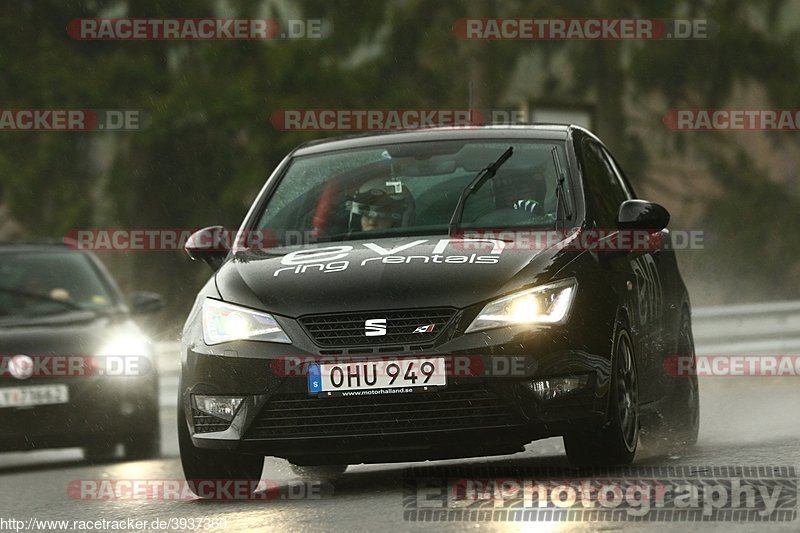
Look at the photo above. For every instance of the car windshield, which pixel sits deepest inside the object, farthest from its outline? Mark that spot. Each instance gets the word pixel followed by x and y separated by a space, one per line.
pixel 413 189
pixel 35 284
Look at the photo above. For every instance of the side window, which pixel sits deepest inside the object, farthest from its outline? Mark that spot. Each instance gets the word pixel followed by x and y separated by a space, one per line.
pixel 604 190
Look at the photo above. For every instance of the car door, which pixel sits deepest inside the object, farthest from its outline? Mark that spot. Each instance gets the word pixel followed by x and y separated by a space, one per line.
pixel 634 272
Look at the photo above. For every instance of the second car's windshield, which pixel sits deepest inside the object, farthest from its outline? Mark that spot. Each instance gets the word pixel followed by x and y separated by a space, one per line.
pixel 413 188
pixel 45 283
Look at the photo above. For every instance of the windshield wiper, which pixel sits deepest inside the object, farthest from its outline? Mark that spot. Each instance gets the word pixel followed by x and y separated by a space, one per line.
pixel 560 194
pixel 476 183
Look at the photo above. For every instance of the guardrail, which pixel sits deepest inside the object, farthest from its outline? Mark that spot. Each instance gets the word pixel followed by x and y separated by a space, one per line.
pixel 761 328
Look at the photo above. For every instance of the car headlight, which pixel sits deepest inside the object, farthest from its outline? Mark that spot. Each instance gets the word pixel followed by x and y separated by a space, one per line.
pixel 125 352
pixel 546 304
pixel 125 345
pixel 223 322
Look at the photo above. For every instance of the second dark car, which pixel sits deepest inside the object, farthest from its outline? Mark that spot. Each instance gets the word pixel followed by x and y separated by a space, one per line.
pixel 75 370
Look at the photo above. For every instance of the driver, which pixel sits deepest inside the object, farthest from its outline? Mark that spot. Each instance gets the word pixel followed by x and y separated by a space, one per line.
pixel 380 203
pixel 523 191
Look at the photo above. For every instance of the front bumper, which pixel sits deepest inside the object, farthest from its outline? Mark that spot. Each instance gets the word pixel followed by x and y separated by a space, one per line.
pixel 486 408
pixel 100 409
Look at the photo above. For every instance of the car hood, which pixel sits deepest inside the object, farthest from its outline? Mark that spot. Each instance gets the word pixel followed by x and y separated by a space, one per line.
pixel 389 273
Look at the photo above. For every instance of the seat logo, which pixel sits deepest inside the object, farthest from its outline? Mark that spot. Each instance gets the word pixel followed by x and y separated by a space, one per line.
pixel 375 327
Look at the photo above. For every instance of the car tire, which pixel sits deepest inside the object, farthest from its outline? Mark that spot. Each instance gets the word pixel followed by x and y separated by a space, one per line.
pixel 678 422
pixel 201 465
pixel 616 441
pixel 318 472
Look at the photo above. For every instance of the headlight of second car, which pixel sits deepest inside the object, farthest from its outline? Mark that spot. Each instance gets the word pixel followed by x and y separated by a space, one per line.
pixel 224 322
pixel 546 304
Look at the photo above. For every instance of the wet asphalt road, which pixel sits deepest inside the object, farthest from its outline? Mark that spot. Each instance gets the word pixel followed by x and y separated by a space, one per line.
pixel 747 422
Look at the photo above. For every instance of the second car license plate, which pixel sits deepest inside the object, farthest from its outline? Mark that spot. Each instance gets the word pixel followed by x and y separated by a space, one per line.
pixel 370 377
pixel 33 395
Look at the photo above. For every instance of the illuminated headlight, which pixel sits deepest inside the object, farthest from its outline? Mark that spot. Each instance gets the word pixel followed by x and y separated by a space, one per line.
pixel 223 322
pixel 125 352
pixel 546 304
pixel 125 345
pixel 223 407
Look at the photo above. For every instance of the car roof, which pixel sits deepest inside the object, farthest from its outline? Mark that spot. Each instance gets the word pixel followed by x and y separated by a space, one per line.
pixel 551 132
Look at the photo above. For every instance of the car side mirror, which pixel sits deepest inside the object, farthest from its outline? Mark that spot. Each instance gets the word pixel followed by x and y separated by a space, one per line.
pixel 144 303
pixel 642 215
pixel 208 245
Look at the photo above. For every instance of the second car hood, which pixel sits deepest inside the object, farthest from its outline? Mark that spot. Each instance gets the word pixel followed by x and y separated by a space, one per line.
pixel 389 273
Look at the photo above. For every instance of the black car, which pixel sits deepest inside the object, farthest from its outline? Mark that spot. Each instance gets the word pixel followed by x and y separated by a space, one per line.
pixel 391 298
pixel 75 371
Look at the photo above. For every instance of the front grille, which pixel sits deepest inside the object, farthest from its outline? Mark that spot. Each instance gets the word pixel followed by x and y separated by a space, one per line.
pixel 204 423
pixel 349 329
pixel 473 406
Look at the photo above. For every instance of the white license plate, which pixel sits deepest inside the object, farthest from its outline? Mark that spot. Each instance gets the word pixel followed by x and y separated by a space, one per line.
pixel 33 395
pixel 391 376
